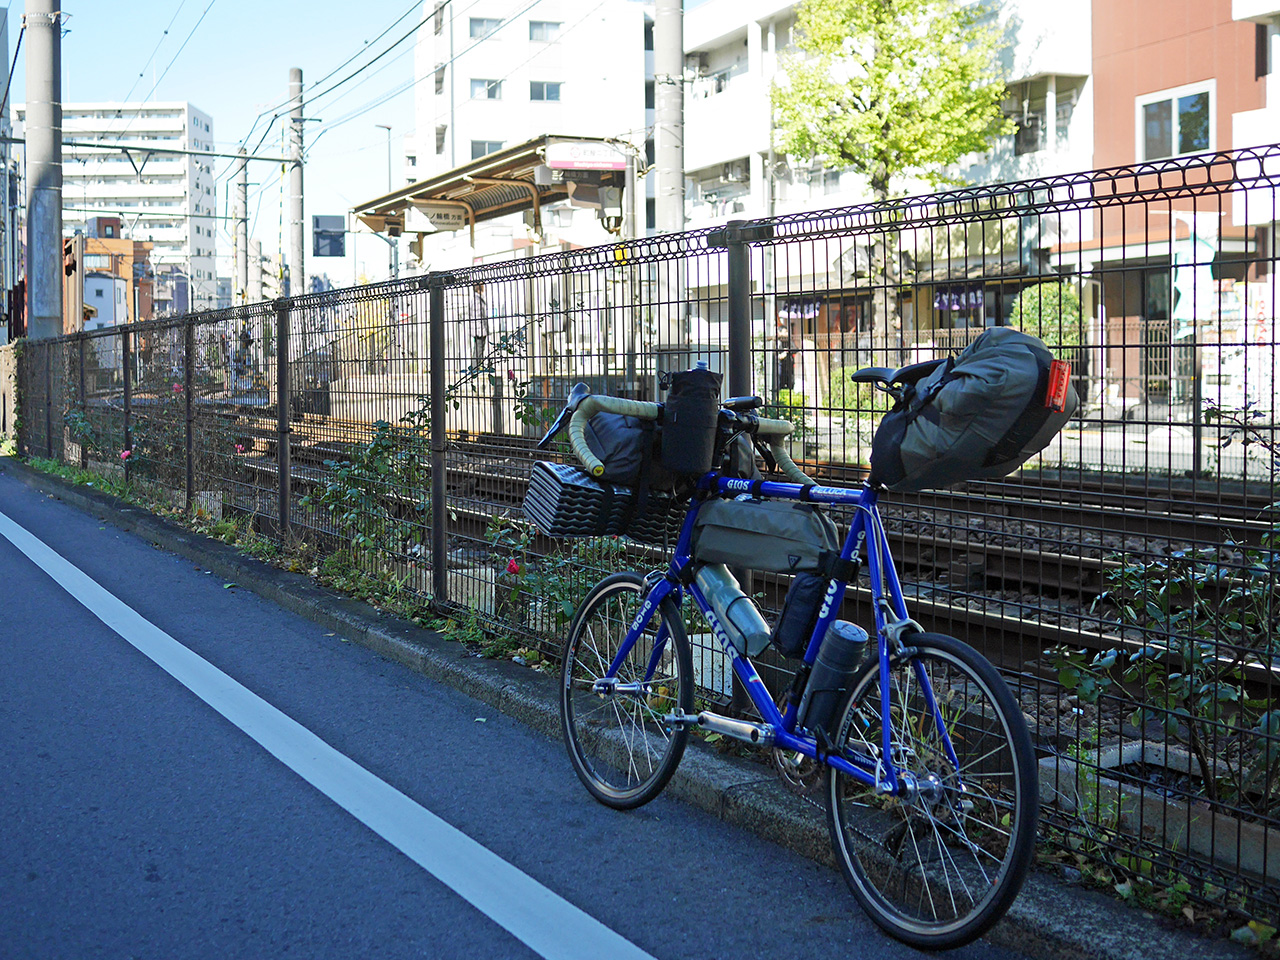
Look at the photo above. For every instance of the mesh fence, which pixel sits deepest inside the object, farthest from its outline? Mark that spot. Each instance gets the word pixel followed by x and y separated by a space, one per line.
pixel 1125 581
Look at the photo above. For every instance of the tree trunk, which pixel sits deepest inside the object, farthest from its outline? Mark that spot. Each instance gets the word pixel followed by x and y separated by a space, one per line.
pixel 886 323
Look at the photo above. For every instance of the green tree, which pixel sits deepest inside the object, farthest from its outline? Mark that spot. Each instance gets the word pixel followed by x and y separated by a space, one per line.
pixel 890 87
pixel 1050 311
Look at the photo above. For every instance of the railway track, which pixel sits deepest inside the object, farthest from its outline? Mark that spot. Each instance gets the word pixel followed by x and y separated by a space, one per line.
pixel 1051 541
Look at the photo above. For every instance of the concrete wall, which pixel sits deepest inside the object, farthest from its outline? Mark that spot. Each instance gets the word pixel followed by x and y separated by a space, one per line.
pixel 8 392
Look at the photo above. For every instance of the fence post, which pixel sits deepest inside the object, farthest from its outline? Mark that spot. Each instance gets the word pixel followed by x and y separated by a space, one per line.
pixel 736 238
pixel 282 413
pixel 439 542
pixel 84 406
pixel 126 358
pixel 189 349
pixel 739 360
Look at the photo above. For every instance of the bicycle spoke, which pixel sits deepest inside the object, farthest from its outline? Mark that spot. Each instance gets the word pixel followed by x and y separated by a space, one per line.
pixel 954 859
pixel 619 742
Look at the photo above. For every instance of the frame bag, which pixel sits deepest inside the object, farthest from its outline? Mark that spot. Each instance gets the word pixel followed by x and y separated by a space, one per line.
pixel 979 416
pixel 778 536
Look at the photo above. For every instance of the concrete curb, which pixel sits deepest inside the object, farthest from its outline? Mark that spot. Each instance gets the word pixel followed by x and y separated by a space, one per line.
pixel 1048 920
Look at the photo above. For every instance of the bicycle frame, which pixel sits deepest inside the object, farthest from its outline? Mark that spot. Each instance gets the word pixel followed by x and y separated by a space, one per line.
pixel 888 604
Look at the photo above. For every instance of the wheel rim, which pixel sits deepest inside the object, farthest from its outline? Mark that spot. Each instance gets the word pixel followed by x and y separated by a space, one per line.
pixel 937 859
pixel 620 741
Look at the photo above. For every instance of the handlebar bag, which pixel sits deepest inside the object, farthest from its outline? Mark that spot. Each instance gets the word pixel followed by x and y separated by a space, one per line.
pixel 979 416
pixel 629 448
pixel 779 536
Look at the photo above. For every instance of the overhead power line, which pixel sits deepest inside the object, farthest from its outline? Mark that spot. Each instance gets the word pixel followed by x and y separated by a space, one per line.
pixel 4 103
pixel 281 108
pixel 142 73
pixel 379 101
pixel 355 56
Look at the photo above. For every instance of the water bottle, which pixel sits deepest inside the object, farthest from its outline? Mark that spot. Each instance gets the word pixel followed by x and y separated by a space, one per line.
pixel 747 630
pixel 842 650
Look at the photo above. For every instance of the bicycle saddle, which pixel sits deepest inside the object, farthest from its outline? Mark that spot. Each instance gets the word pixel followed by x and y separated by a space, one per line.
pixel 911 373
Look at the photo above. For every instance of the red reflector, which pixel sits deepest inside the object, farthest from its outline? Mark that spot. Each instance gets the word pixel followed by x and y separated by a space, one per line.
pixel 1059 383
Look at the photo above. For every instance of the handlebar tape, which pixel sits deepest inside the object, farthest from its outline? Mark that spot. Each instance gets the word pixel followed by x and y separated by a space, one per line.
pixel 646 410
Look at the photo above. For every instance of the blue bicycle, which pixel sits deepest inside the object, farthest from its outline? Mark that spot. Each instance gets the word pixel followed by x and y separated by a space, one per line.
pixel 920 748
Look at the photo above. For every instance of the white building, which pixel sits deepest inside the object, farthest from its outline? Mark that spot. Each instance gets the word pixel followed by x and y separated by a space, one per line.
pixel 1249 127
pixel 167 199
pixel 108 295
pixel 732 51
pixel 491 76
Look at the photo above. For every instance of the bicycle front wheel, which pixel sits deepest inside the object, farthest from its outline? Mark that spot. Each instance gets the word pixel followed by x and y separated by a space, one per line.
pixel 622 748
pixel 936 866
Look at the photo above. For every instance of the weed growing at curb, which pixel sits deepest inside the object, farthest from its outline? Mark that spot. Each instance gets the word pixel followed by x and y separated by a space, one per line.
pixel 339 571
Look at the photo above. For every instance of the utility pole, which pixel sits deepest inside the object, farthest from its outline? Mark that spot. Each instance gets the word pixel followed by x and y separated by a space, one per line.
pixel 242 230
pixel 393 241
pixel 297 226
pixel 255 283
pixel 44 169
pixel 674 328
pixel 668 116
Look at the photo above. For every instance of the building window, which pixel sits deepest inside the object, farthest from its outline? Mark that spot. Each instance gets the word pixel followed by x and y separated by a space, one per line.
pixel 438 16
pixel 544 31
pixel 1175 122
pixel 440 79
pixel 482 27
pixel 440 132
pixel 544 90
pixel 482 148
pixel 486 89
pixel 648 34
pixel 649 95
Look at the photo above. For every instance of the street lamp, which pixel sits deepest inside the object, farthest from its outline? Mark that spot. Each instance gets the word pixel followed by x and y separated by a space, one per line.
pixel 394 241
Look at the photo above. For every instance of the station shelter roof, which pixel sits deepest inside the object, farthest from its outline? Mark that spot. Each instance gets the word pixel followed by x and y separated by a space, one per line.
pixel 522 177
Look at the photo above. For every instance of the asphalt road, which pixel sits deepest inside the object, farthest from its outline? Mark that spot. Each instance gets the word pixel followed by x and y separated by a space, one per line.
pixel 136 820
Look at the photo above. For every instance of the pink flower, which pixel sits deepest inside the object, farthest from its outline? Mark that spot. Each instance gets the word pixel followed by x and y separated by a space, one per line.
pixel 512 566
pixel 239 448
pixel 511 375
pixel 177 388
pixel 124 454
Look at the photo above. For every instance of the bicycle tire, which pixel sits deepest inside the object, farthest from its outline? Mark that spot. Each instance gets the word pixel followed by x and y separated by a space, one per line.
pixel 937 869
pixel 622 751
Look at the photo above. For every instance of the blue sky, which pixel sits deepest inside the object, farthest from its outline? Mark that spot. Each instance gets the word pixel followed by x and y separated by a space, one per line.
pixel 235 66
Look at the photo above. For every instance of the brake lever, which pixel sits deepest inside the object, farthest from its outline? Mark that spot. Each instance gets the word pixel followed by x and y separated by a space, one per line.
pixel 579 393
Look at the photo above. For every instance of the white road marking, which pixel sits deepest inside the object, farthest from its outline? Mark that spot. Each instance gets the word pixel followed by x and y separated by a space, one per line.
pixel 545 922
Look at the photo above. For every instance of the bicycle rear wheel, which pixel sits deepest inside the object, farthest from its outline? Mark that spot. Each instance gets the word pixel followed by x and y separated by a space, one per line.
pixel 939 865
pixel 621 748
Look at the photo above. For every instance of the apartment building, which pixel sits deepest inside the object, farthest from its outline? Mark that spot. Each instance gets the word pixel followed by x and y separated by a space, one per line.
pixel 110 169
pixel 1177 78
pixel 732 61
pixel 491 76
